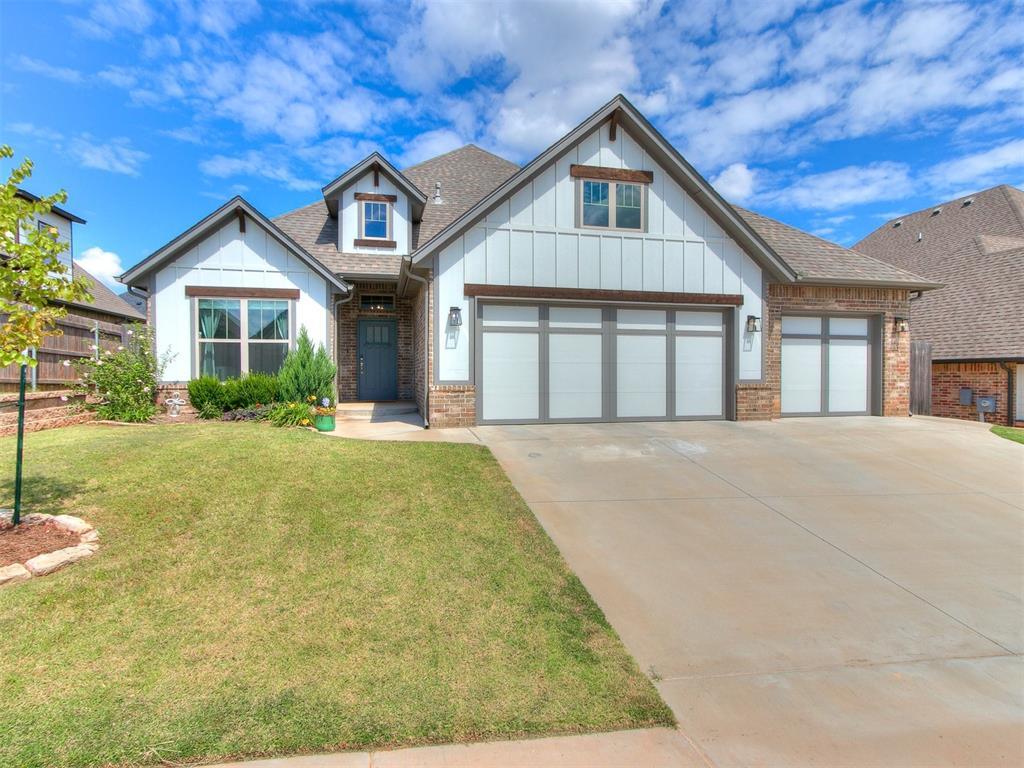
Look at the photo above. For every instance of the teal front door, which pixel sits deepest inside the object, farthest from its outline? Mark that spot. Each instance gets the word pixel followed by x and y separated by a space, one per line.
pixel 378 359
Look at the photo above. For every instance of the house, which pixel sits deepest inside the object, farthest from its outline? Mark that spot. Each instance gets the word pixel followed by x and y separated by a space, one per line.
pixel 101 318
pixel 974 245
pixel 605 280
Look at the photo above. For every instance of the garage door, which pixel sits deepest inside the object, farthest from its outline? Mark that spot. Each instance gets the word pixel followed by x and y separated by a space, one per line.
pixel 557 363
pixel 826 365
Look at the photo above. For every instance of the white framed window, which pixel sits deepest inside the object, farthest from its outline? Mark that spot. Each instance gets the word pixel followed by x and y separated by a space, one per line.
pixel 612 205
pixel 237 336
pixel 376 220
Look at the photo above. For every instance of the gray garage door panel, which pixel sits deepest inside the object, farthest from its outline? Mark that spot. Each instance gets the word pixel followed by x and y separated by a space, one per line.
pixel 572 363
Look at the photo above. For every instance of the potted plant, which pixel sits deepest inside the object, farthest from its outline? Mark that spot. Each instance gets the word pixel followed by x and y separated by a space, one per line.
pixel 324 418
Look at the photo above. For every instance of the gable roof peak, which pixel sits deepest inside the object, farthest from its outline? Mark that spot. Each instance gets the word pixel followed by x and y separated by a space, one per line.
pixel 373 161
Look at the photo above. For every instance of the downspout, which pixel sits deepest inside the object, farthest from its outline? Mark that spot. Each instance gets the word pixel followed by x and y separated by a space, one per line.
pixel 1011 401
pixel 426 339
pixel 334 316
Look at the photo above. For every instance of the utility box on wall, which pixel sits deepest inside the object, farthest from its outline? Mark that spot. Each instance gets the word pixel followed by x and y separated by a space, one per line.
pixel 986 404
pixel 966 396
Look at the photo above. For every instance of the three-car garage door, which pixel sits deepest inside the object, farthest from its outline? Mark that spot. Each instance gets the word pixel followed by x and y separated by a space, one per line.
pixel 557 363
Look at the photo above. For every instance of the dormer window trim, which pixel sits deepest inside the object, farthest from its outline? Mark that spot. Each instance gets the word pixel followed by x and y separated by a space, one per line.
pixel 371 207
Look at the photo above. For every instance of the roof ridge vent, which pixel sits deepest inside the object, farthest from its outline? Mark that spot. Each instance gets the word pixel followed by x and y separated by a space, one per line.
pixel 897 223
pixel 967 202
pixel 438 200
pixel 937 211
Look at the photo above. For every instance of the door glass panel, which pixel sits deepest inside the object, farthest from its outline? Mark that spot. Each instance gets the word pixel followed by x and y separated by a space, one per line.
pixel 848 326
pixel 511 315
pixel 699 386
pixel 574 375
pixel 848 375
pixel 640 376
pixel 808 325
pixel 641 319
pixel 511 375
pixel 575 317
pixel 801 375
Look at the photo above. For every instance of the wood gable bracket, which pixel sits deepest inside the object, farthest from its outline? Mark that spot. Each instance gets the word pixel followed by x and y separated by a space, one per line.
pixel 613 125
pixel 241 220
pixel 376 175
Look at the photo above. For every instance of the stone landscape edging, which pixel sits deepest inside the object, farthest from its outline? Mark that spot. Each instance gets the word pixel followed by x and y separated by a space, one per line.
pixel 48 562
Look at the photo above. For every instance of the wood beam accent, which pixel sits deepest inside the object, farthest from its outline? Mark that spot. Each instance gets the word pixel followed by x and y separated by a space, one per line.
pixel 217 292
pixel 375 198
pixel 613 127
pixel 241 220
pixel 371 243
pixel 610 174
pixel 601 295
pixel 376 175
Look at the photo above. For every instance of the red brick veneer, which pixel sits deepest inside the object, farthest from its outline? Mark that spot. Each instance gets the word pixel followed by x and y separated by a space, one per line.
pixel 985 379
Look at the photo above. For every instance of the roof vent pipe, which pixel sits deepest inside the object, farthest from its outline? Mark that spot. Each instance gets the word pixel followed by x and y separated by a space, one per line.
pixel 920 236
pixel 437 193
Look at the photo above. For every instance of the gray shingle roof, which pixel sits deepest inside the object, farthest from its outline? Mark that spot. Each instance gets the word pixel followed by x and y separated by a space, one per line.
pixel 104 299
pixel 818 260
pixel 977 252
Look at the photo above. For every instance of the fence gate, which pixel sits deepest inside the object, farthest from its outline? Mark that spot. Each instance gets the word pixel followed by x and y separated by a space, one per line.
pixel 921 378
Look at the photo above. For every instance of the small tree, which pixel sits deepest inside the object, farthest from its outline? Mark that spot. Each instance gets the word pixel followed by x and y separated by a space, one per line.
pixel 306 373
pixel 32 279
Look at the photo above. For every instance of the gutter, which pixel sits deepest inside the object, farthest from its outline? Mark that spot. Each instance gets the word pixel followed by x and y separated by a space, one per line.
pixel 407 272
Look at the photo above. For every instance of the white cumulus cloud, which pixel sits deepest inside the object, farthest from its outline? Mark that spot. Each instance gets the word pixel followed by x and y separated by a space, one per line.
pixel 736 182
pixel 105 266
pixel 114 155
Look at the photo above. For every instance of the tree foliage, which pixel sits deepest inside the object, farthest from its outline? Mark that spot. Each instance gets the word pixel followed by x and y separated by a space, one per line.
pixel 307 374
pixel 32 276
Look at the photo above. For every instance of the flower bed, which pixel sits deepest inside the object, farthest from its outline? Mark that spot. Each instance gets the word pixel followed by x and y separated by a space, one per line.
pixel 42 544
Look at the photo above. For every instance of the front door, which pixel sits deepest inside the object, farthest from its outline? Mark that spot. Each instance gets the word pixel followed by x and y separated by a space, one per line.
pixel 378 359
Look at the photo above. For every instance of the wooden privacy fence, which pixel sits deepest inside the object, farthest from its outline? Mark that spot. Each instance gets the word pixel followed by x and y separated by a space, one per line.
pixel 79 335
pixel 921 378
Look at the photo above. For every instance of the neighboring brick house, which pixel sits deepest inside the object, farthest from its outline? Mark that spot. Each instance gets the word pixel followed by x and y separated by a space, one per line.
pixel 605 280
pixel 974 246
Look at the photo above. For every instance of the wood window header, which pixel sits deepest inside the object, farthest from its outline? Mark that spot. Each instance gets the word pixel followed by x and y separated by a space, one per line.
pixel 375 198
pixel 215 292
pixel 601 295
pixel 370 242
pixel 610 174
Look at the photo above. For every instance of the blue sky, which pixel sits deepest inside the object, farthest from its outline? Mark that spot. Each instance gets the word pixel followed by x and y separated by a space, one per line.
pixel 831 117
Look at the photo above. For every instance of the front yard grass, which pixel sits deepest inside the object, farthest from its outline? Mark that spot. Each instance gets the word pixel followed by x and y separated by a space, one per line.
pixel 262 591
pixel 1010 433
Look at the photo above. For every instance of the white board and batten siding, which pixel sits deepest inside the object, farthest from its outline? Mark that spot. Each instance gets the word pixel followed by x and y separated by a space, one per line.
pixel 531 239
pixel 348 212
pixel 229 258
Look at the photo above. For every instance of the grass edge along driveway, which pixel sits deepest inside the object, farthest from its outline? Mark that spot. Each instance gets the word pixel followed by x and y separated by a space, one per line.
pixel 268 592
pixel 1016 434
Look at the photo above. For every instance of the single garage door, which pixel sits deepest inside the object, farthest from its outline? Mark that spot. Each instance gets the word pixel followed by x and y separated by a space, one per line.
pixel 827 365
pixel 559 363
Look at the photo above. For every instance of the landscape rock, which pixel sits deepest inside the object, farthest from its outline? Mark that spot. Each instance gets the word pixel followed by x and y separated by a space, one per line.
pixel 6 515
pixel 90 537
pixel 73 524
pixel 37 517
pixel 11 574
pixel 51 561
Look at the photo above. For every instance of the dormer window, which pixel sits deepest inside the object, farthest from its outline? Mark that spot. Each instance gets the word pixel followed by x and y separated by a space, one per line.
pixel 611 198
pixel 376 220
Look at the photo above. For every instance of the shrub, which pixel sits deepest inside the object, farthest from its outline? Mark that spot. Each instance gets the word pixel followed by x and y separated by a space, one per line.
pixel 291 415
pixel 256 389
pixel 307 373
pixel 206 395
pixel 123 381
pixel 209 410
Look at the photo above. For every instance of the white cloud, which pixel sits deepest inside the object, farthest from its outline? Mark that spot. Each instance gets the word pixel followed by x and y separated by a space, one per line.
pixel 735 183
pixel 103 265
pixel 109 17
pixel 844 187
pixel 258 164
pixel 978 169
pixel 429 144
pixel 36 131
pixel 114 155
pixel 39 67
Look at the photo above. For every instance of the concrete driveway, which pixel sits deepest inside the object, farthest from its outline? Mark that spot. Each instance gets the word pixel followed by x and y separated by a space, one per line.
pixel 828 592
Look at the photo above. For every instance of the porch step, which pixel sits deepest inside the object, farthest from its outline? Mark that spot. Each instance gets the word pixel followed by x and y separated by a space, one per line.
pixel 374 411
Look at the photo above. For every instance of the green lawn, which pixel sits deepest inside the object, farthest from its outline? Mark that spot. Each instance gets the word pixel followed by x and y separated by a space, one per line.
pixel 264 591
pixel 1010 433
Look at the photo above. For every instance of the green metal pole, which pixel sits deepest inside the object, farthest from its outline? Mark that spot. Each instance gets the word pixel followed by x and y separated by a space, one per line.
pixel 21 445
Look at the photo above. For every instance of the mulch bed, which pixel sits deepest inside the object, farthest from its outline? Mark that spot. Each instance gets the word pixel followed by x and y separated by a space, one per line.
pixel 25 541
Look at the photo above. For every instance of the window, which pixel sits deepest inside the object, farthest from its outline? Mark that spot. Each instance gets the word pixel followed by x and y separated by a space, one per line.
pixel 598 211
pixel 375 220
pixel 377 303
pixel 47 229
pixel 222 326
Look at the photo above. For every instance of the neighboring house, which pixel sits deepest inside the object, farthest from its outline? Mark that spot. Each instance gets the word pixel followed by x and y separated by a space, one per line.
pixel 974 246
pixel 102 317
pixel 605 280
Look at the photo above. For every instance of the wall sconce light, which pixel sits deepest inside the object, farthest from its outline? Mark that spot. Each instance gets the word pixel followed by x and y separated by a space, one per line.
pixel 753 324
pixel 455 317
pixel 901 325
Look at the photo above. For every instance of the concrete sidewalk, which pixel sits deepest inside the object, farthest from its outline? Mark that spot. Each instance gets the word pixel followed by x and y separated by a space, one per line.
pixel 652 748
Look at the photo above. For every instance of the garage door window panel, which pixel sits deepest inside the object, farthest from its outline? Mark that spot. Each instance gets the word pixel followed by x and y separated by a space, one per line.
pixel 826 365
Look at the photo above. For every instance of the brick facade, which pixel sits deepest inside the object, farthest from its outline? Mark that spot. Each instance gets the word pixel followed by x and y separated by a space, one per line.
pixel 763 400
pixel 347 355
pixel 984 379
